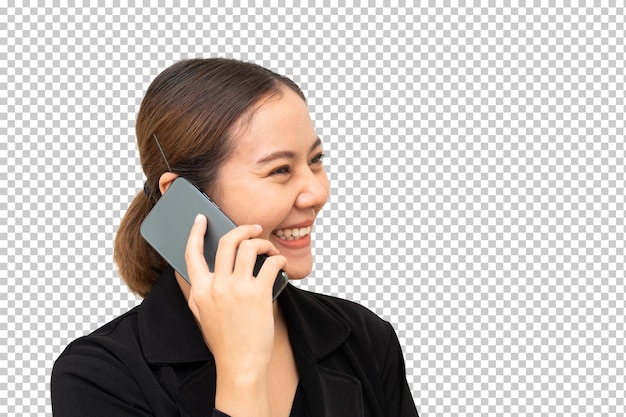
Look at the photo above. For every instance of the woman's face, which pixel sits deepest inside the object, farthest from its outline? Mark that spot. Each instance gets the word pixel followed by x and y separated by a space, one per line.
pixel 275 178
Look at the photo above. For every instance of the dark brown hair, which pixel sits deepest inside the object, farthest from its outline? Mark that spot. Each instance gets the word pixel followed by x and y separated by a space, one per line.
pixel 194 108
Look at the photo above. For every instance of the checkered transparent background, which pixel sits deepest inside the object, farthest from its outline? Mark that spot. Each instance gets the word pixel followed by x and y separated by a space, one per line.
pixel 476 156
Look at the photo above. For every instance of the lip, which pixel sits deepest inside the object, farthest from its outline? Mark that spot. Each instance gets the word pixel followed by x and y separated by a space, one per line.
pixel 303 242
pixel 296 243
pixel 305 223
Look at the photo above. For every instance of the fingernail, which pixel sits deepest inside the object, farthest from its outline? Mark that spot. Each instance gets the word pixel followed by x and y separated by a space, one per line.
pixel 258 226
pixel 198 218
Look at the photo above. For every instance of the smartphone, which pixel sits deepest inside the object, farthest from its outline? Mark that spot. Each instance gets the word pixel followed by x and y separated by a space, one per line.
pixel 167 227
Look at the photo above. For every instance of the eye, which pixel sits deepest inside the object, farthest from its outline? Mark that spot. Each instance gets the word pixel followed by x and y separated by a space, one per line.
pixel 318 158
pixel 281 170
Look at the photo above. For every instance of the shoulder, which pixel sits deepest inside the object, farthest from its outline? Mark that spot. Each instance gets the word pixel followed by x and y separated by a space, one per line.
pixel 111 339
pixel 350 310
pixel 364 324
pixel 109 350
pixel 94 365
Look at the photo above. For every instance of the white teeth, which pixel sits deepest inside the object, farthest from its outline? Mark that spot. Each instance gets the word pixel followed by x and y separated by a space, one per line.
pixel 291 234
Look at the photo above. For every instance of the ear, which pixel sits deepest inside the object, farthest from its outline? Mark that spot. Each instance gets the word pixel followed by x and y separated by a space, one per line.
pixel 166 180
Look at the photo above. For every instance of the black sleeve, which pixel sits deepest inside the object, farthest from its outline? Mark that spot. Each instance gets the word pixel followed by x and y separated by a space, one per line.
pixel 398 398
pixel 84 385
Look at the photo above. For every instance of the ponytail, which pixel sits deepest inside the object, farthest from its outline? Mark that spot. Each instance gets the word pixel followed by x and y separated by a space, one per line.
pixel 138 263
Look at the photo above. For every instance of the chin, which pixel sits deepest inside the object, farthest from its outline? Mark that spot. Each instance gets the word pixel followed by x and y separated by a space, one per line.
pixel 299 263
pixel 299 272
pixel 292 277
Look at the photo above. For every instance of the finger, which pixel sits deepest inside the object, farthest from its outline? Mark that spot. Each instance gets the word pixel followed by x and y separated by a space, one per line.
pixel 229 245
pixel 248 252
pixel 269 270
pixel 194 251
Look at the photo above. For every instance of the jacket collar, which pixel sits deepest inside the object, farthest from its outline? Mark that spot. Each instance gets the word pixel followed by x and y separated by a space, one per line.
pixel 167 328
pixel 170 335
pixel 320 328
pixel 169 332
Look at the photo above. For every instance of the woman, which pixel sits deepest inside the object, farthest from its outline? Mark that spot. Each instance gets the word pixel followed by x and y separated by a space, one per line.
pixel 243 135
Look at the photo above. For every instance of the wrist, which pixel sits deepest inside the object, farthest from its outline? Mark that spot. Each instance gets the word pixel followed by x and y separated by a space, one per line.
pixel 242 394
pixel 241 379
pixel 241 369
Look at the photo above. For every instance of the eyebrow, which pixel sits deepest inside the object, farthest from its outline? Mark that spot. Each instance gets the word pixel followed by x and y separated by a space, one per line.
pixel 286 154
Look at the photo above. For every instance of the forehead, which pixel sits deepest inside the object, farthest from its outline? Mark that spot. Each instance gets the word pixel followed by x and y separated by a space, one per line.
pixel 280 121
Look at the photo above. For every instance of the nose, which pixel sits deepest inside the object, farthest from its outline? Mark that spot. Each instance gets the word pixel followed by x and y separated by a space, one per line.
pixel 314 190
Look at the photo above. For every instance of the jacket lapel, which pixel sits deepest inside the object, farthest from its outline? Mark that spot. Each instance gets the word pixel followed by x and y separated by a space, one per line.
pixel 197 393
pixel 341 394
pixel 315 333
pixel 328 393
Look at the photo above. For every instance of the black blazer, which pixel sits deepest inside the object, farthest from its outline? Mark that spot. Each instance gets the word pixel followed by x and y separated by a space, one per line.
pixel 153 361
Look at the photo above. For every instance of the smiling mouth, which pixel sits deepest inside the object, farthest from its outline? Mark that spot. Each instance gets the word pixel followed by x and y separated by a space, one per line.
pixel 293 234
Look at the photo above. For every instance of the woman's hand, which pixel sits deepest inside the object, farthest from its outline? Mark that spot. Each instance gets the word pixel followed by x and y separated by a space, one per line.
pixel 235 311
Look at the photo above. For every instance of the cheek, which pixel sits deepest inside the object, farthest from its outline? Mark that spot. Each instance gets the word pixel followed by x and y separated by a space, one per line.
pixel 270 211
pixel 246 205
